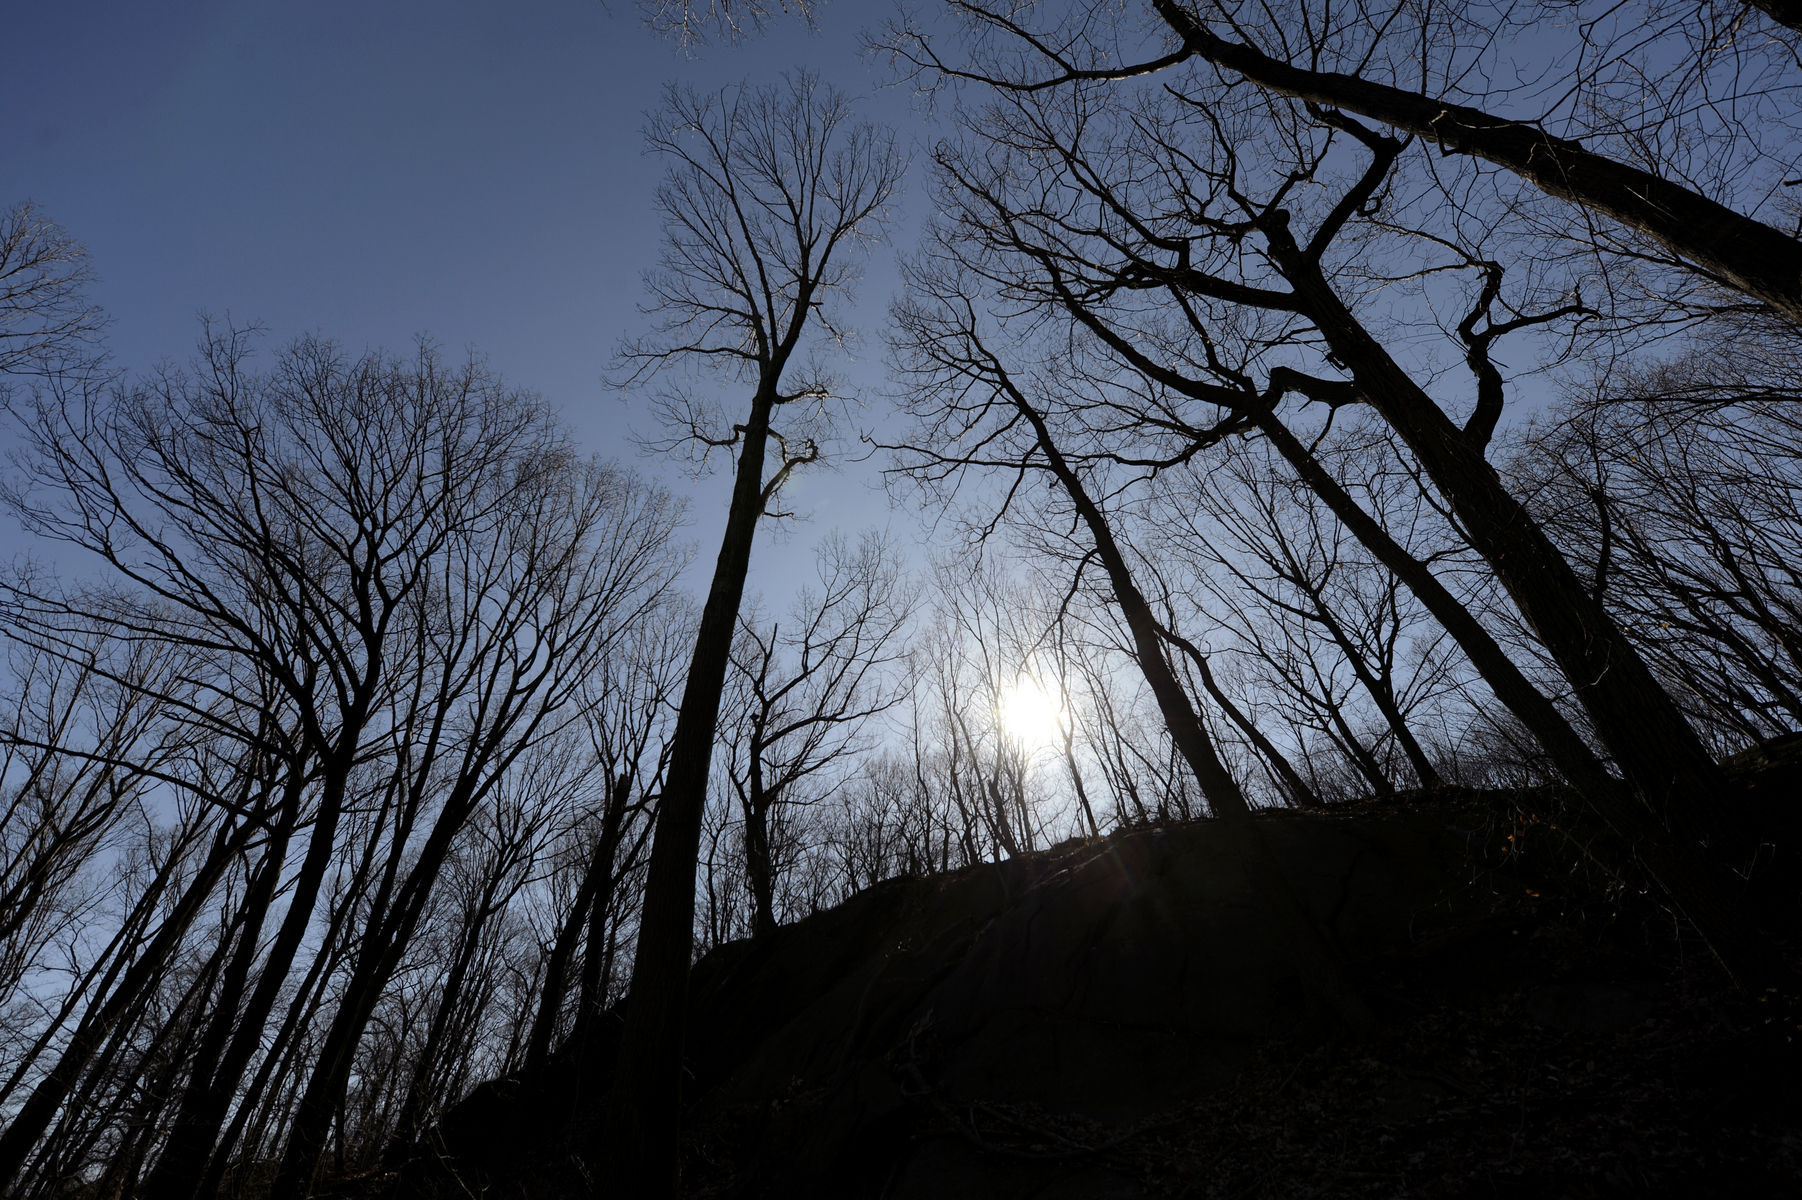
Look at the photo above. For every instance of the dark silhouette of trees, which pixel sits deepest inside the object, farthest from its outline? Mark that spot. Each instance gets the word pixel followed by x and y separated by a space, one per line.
pixel 979 649
pixel 771 195
pixel 1677 482
pixel 1432 79
pixel 441 1022
pixel 378 582
pixel 84 739
pixel 627 713
pixel 1333 631
pixel 380 757
pixel 47 323
pixel 801 693
pixel 1221 241
pixel 977 414
pixel 114 989
pixel 882 824
pixel 1103 279
pixel 1723 244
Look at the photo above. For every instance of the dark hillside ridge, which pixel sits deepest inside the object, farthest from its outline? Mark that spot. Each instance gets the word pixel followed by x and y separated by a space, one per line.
pixel 1116 1018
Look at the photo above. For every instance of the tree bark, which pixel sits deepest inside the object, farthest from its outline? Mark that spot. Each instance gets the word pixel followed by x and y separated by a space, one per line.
pixel 760 872
pixel 1784 12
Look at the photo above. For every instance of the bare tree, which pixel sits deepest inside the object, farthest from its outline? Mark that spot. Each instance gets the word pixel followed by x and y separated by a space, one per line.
pixel 46 321
pixel 979 649
pixel 572 561
pixel 1679 481
pixel 385 579
pixel 884 825
pixel 109 995
pixel 627 712
pixel 694 23
pixel 1114 719
pixel 84 739
pixel 456 955
pixel 979 416
pixel 1265 551
pixel 802 691
pixel 771 195
pixel 1435 77
pixel 1211 236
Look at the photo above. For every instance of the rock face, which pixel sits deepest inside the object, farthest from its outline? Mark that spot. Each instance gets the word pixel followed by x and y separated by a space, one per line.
pixel 995 1031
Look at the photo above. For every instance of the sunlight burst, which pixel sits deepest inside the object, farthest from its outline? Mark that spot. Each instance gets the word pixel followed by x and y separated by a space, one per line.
pixel 1031 713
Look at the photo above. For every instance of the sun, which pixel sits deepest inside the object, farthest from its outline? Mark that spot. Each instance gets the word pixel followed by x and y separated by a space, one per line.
pixel 1030 713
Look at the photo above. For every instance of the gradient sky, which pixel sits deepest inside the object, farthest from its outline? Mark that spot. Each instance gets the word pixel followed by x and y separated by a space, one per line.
pixel 375 170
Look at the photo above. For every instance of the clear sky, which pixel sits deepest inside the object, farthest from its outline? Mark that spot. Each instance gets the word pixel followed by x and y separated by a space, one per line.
pixel 376 169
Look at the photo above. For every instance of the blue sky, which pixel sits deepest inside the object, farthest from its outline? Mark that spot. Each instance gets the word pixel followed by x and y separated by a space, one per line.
pixel 372 171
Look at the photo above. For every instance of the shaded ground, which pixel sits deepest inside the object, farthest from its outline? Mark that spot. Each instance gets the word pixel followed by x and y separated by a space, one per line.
pixel 1121 1018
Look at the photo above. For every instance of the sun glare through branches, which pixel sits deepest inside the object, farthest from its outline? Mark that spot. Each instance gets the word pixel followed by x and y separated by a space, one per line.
pixel 1031 713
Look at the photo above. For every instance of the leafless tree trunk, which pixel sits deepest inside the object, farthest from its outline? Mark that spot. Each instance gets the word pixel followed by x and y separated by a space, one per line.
pixel 1678 484
pixel 944 342
pixel 576 558
pixel 389 574
pixel 770 195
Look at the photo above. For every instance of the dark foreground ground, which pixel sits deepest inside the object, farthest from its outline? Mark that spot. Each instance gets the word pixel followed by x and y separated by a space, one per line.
pixel 1120 1018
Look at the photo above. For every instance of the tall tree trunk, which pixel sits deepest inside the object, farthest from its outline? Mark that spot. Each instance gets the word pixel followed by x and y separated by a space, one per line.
pixel 600 951
pixel 378 956
pixel 419 1080
pixel 1378 689
pixel 250 1112
pixel 1651 741
pixel 556 967
pixel 589 908
pixel 1296 788
pixel 1354 747
pixel 209 1096
pixel 183 1160
pixel 760 871
pixel 642 1136
pixel 1660 754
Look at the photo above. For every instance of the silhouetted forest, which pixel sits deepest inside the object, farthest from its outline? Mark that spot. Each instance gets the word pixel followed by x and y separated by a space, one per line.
pixel 1307 407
